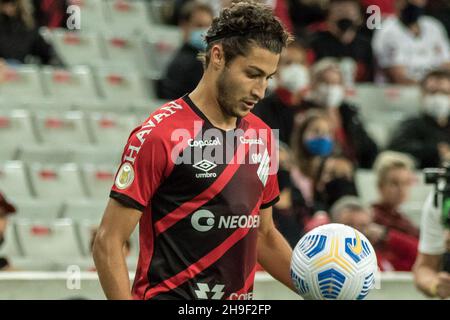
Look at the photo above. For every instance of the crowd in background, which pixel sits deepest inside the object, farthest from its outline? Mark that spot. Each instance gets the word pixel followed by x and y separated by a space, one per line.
pixel 323 140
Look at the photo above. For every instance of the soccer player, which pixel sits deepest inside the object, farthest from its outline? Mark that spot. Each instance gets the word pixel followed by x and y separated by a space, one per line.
pixel 199 176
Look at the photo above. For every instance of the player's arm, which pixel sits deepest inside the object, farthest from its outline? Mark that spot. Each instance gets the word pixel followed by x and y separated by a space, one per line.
pixel 428 278
pixel 274 252
pixel 115 229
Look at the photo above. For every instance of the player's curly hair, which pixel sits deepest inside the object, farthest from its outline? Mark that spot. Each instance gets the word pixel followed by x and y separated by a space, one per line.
pixel 242 25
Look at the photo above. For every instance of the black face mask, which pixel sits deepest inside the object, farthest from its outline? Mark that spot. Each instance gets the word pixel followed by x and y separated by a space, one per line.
pixel 411 14
pixel 337 188
pixel 345 25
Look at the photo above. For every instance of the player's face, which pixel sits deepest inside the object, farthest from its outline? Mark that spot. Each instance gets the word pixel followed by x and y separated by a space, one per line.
pixel 395 188
pixel 243 82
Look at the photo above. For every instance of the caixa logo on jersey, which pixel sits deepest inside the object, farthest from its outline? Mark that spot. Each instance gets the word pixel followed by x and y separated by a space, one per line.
pixel 204 220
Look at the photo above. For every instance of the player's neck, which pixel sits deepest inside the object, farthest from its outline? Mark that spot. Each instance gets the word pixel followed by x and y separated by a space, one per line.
pixel 204 97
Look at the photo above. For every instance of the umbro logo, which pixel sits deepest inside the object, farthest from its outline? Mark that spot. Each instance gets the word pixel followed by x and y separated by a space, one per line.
pixel 205 166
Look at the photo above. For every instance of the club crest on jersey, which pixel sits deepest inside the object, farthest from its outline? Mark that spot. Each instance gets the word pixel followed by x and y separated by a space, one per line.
pixel 125 176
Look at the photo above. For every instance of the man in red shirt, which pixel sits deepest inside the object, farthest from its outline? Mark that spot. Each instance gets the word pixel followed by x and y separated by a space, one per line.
pixel 199 176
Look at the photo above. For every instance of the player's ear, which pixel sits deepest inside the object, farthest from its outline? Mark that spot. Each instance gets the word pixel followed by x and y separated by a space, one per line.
pixel 217 57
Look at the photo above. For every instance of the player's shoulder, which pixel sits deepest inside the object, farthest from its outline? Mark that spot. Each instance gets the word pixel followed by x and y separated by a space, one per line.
pixel 166 118
pixel 158 128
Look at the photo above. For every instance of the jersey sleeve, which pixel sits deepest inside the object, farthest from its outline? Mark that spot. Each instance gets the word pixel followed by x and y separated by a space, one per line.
pixel 143 167
pixel 432 232
pixel 271 192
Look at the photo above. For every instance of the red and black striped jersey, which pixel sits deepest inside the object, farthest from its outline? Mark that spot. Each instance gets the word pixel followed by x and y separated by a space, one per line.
pixel 200 189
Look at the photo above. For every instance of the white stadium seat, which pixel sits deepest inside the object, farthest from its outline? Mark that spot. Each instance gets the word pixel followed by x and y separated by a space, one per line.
pixel 98 179
pixel 70 85
pixel 13 180
pixel 62 129
pixel 77 48
pixel 131 16
pixel 48 239
pixel 51 181
pixel 22 83
pixel 118 85
pixel 39 208
pixel 111 128
pixel 16 127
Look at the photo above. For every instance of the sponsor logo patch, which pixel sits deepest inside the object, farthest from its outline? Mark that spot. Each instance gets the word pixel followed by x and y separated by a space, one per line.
pixel 125 176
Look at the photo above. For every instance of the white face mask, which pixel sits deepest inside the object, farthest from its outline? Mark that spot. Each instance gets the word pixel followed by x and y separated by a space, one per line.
pixel 437 105
pixel 294 77
pixel 330 96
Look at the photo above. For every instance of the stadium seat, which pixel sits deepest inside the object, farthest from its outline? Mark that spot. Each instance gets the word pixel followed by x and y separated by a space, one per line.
pixel 77 48
pixel 374 100
pixel 130 16
pixel 86 230
pixel 11 247
pixel 98 179
pixel 40 153
pixel 39 209
pixel 13 180
pixel 83 209
pixel 97 154
pixel 366 184
pixel 111 128
pixel 48 239
pixel 70 85
pixel 16 128
pixel 62 129
pixel 160 45
pixel 118 85
pixel 52 181
pixel 22 83
pixel 124 50
pixel 92 12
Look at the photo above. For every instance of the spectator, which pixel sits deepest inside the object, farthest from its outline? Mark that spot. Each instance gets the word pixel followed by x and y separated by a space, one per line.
pixel 279 108
pixel 317 177
pixel 427 136
pixel 394 178
pixel 311 141
pixel 186 70
pixel 51 13
pixel 396 251
pixel 307 16
pixel 410 44
pixel 5 209
pixel 328 93
pixel 344 41
pixel 19 38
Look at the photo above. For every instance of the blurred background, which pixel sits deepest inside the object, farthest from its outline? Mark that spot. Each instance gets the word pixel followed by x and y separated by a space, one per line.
pixel 361 101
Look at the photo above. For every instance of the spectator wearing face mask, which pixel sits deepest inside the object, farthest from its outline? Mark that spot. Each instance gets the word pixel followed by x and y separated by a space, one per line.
pixel 5 209
pixel 328 93
pixel 186 70
pixel 410 44
pixel 312 141
pixel 290 85
pixel 344 41
pixel 395 250
pixel 19 37
pixel 427 136
pixel 395 176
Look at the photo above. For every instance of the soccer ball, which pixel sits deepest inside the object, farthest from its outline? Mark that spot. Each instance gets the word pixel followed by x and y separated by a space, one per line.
pixel 333 262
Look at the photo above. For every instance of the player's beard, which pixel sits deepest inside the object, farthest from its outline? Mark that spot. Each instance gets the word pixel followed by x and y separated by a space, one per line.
pixel 226 92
